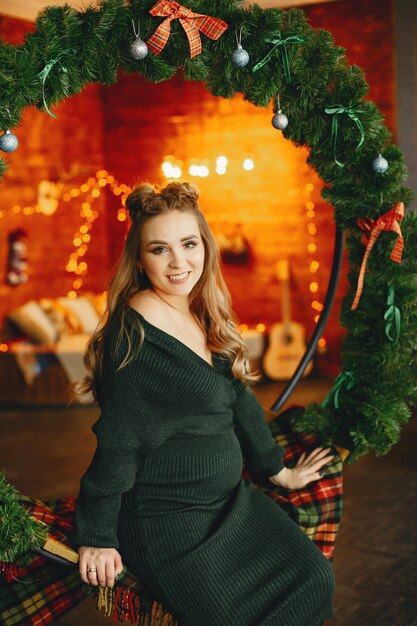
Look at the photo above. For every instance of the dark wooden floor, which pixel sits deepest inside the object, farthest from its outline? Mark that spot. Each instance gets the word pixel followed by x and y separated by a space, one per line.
pixel 45 451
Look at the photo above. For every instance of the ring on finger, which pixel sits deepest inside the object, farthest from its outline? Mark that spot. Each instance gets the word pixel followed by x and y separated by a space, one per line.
pixel 92 569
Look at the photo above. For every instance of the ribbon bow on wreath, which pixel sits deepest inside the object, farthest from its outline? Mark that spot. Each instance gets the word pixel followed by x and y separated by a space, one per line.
pixel 192 23
pixel 276 39
pixel 389 221
pixel 339 109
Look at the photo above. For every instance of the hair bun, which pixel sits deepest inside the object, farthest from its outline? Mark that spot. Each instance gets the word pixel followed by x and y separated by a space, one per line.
pixel 138 199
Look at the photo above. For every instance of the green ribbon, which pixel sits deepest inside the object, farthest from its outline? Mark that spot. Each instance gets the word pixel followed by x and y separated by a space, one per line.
pixel 345 379
pixel 339 109
pixel 276 39
pixel 392 317
pixel 43 74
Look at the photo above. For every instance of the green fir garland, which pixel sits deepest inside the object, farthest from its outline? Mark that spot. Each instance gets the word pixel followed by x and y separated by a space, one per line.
pixel 313 76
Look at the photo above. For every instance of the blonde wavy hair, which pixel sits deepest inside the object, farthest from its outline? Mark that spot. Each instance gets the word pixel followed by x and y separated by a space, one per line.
pixel 210 300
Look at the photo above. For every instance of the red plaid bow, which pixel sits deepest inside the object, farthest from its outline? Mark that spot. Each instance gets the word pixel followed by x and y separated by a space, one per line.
pixel 191 22
pixel 389 221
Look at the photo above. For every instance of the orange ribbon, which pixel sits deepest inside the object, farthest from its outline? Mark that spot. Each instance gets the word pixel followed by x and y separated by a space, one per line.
pixel 389 221
pixel 191 22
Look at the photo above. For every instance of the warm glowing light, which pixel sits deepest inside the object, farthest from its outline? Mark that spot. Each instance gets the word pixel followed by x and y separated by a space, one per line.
pixel 309 187
pixel 86 206
pixel 314 266
pixel 84 187
pixel 72 295
pixel 3 347
pixel 322 342
pixel 260 328
pixel 316 319
pixel 203 171
pixel 315 304
pixel 77 241
pixel 95 193
pixel 110 179
pixel 121 217
pixel 314 287
pixel 81 252
pixel 86 238
pixel 16 208
pixel 83 229
pixel 102 182
pixel 248 165
pixel 77 283
pixel 310 205
pixel 66 197
pixel 243 327
pixel 220 170
pixel 91 181
pixel 101 174
pixel 74 193
pixel 28 210
pixel 176 172
pixel 221 161
pixel 310 213
pixel 312 247
pixel 193 170
pixel 312 230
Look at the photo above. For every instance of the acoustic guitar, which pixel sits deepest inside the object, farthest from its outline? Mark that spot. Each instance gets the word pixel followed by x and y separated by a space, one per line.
pixel 287 338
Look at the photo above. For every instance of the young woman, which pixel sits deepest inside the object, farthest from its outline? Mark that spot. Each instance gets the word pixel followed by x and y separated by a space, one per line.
pixel 164 491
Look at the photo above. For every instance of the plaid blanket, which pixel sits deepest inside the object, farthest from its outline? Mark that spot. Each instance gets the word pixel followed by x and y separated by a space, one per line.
pixel 42 592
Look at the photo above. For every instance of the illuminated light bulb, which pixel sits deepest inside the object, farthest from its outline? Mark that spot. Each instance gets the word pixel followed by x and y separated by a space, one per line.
pixel 176 172
pixel 314 287
pixel 314 266
pixel 110 179
pixel 95 214
pixel 102 182
pixel 86 238
pixel 310 205
pixel 316 319
pixel 3 347
pixel 101 173
pixel 167 169
pixel 248 165
pixel 77 241
pixel 203 171
pixel 72 295
pixel 260 328
pixel 85 205
pixel 83 228
pixel 320 307
pixel 312 247
pixel 310 214
pixel 315 304
pixel 220 170
pixel 309 187
pixel 91 181
pixel 95 193
pixel 81 252
pixel 193 170
pixel 312 230
pixel 243 327
pixel 322 342
pixel 38 209
pixel 77 283
pixel 66 197
pixel 121 217
pixel 74 193
pixel 27 210
pixel 84 187
pixel 83 266
pixel 221 161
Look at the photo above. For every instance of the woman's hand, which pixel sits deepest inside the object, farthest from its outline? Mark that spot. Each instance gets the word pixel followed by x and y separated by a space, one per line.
pixel 106 561
pixel 306 470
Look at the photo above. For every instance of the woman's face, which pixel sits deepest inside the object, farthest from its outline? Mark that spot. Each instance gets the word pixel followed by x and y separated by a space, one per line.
pixel 172 252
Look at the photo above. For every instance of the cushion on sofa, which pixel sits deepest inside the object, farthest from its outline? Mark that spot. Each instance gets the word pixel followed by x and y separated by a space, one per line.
pixel 34 322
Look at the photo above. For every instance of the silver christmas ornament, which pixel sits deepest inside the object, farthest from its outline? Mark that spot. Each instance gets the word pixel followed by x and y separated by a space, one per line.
pixel 8 142
pixel 380 165
pixel 280 120
pixel 138 49
pixel 240 57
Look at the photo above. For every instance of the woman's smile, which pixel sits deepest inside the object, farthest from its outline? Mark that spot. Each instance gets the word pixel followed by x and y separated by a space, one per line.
pixel 179 278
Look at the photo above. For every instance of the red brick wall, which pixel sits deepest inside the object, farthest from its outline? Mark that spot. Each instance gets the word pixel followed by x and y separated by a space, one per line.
pixel 141 123
pixel 47 149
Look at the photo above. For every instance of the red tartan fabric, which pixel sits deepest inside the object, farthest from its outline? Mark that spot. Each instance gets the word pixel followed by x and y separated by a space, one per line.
pixel 40 593
pixel 389 221
pixel 192 23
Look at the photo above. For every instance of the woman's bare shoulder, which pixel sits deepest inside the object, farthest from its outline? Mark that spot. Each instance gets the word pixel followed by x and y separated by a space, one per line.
pixel 150 308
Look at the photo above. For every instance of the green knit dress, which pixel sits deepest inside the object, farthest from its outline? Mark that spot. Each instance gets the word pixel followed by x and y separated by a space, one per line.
pixel 165 488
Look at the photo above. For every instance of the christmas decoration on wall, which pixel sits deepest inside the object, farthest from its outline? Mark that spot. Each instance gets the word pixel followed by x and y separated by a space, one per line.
pixel 367 419
pixel 280 120
pixel 380 165
pixel 138 49
pixel 239 57
pixel 17 262
pixel 8 142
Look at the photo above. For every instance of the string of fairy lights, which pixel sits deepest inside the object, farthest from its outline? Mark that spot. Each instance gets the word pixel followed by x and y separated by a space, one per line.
pixel 91 189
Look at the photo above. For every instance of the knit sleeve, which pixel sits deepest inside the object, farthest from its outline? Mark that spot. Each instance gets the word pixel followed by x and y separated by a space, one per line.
pixel 263 455
pixel 121 445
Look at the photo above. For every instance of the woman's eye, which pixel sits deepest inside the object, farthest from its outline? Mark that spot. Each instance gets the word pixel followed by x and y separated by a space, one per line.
pixel 158 250
pixel 190 244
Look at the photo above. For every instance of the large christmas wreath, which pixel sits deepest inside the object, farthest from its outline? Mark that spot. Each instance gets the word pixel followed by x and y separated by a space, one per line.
pixel 264 54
